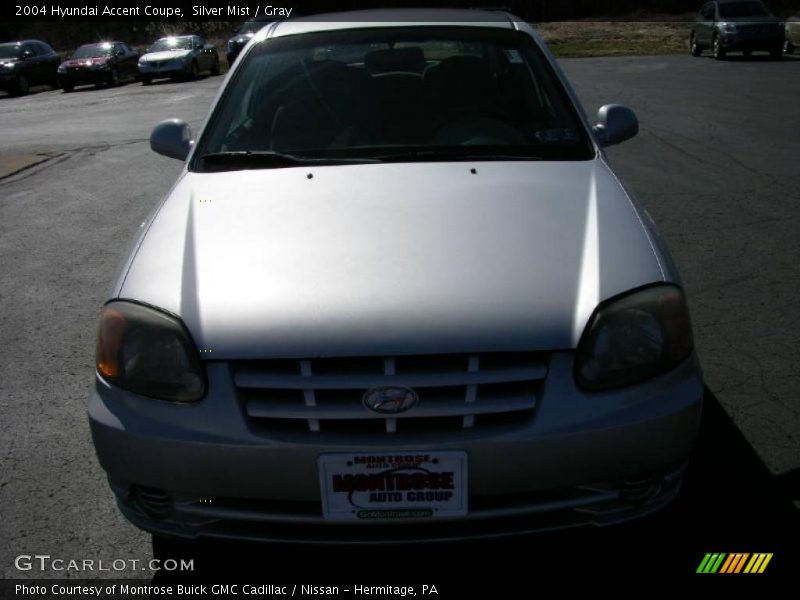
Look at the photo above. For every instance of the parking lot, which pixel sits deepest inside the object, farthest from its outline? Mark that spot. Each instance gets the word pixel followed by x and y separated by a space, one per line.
pixel 715 163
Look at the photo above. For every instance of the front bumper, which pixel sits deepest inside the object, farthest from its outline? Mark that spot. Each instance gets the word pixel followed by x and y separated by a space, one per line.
pixel 201 471
pixel 84 76
pixel 7 80
pixel 168 69
pixel 744 41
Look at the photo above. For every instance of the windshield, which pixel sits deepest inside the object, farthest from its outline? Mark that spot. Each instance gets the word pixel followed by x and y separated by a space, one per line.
pixel 9 51
pixel 742 9
pixel 92 51
pixel 172 44
pixel 394 93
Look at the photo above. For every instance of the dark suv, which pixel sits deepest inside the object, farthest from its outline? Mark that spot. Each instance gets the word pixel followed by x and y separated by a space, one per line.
pixel 27 63
pixel 736 25
pixel 242 35
pixel 792 32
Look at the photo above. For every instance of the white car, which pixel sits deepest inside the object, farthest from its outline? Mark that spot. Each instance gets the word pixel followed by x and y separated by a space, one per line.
pixel 396 293
pixel 178 56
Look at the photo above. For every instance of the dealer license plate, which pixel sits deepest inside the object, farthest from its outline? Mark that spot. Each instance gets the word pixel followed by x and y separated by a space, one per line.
pixel 392 486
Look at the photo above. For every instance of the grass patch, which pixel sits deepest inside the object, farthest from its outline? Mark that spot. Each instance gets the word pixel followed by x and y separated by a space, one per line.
pixel 586 38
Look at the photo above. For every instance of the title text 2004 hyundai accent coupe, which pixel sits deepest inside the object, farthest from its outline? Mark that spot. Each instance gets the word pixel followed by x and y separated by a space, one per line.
pixel 396 283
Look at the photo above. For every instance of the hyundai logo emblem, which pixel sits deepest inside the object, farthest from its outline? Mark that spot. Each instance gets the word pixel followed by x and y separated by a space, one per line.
pixel 390 400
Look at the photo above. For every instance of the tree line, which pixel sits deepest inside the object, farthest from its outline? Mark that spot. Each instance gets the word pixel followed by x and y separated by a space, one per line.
pixel 67 34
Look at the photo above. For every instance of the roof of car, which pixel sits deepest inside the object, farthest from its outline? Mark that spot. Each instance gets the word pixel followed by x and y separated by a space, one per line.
pixel 392 17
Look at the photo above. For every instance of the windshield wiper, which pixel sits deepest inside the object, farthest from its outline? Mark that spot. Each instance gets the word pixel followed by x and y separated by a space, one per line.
pixel 447 156
pixel 266 158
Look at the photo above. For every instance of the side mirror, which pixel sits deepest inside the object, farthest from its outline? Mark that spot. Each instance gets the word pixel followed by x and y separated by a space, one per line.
pixel 172 138
pixel 615 124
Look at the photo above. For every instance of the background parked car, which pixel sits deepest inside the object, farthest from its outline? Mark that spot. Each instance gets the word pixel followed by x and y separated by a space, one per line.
pixel 178 56
pixel 242 35
pixel 27 63
pixel 792 34
pixel 103 63
pixel 736 25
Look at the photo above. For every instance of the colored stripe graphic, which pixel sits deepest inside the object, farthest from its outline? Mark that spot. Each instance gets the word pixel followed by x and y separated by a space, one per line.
pixel 734 563
pixel 711 562
pixel 758 563
pixel 721 562
pixel 703 563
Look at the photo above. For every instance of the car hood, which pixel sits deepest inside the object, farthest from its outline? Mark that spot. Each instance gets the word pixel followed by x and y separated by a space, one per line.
pixel 760 20
pixel 166 55
pixel 80 62
pixel 392 258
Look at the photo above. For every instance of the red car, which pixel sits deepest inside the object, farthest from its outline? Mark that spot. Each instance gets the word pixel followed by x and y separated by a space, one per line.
pixel 106 63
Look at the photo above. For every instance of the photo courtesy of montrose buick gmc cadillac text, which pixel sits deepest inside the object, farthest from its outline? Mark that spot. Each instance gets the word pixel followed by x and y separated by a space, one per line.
pixel 396 293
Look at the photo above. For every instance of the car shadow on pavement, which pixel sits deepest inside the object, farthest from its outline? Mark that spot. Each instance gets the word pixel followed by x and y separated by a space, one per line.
pixel 729 503
pixel 755 58
pixel 179 80
pixel 34 91
pixel 91 87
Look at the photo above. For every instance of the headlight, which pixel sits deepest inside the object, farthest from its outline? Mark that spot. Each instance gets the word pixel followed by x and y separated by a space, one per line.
pixel 728 27
pixel 62 69
pixel 634 337
pixel 148 352
pixel 9 66
pixel 231 45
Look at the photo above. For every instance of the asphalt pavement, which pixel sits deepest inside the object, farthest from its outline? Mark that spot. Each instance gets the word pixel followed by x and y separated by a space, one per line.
pixel 715 163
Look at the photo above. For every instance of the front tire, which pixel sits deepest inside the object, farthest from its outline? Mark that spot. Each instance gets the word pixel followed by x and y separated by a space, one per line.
pixel 694 47
pixel 788 47
pixel 21 86
pixel 194 70
pixel 719 53
pixel 215 69
pixel 113 78
pixel 146 80
pixel 67 86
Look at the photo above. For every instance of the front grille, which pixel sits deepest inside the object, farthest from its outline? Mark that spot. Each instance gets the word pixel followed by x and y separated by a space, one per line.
pixel 455 391
pixel 757 29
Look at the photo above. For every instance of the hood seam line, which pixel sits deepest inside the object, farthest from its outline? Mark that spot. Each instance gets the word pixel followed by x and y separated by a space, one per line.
pixel 639 219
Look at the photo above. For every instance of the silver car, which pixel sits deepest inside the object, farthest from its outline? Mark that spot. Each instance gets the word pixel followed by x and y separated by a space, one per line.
pixel 178 56
pixel 396 293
